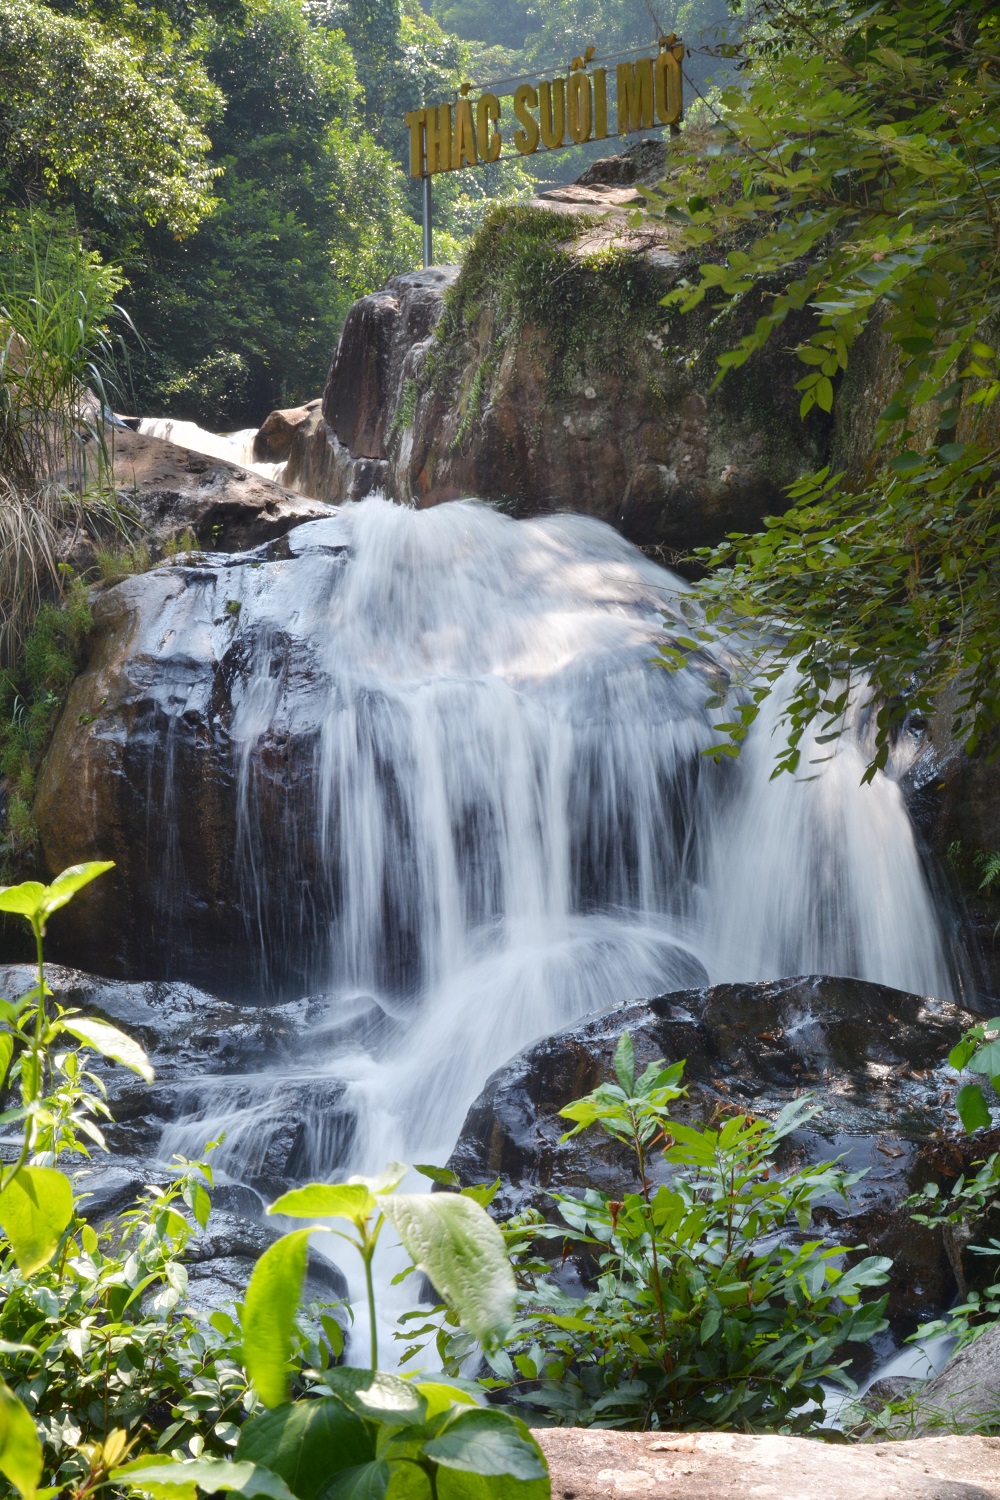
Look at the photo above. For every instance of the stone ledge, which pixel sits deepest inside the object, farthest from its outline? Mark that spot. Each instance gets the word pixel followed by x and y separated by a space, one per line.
pixel 594 1464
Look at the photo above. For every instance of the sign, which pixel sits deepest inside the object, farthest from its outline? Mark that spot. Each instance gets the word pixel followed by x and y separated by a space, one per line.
pixel 553 113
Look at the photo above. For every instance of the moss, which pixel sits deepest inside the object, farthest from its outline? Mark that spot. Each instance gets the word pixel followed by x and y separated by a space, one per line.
pixel 590 312
pixel 31 696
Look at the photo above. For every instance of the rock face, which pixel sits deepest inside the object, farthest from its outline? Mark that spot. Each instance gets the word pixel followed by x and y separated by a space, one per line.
pixel 207 1055
pixel 224 506
pixel 874 1057
pixel 555 381
pixel 145 768
pixel 594 1465
pixel 966 1394
pixel 342 452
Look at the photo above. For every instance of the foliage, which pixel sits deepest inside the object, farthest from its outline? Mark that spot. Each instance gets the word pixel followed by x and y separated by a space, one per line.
pixel 971 1202
pixel 311 213
pixel 365 1432
pixel 31 696
pixel 979 1051
pixel 56 299
pixel 109 115
pixel 712 1306
pixel 856 173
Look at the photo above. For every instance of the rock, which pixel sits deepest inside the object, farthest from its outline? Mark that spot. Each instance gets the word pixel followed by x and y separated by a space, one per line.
pixel 156 716
pixel 876 1059
pixel 342 454
pixel 177 491
pixel 590 1464
pixel 558 382
pixel 966 1394
pixel 644 162
pixel 275 433
pixel 213 1063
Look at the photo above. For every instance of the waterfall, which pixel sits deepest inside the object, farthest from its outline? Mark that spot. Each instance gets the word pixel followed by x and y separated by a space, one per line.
pixel 235 447
pixel 512 822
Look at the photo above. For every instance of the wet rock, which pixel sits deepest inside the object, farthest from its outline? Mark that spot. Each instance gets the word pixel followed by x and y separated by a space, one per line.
pixel 874 1057
pixel 226 507
pixel 158 719
pixel 587 1464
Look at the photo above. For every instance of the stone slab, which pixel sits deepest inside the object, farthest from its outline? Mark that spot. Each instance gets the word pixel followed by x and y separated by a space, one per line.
pixel 591 1464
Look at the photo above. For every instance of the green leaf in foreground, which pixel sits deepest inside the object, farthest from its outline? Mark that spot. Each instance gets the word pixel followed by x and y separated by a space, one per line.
pixel 303 1441
pixel 110 1043
pixel 377 1395
pixel 334 1200
pixel 364 1482
pixel 269 1314
pixel 35 1209
pixel 488 1442
pixel 972 1108
pixel 454 1241
pixel 169 1479
pixel 20 1449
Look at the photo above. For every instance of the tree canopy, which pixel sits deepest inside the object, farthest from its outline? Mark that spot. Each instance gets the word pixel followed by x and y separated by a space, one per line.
pixel 855 171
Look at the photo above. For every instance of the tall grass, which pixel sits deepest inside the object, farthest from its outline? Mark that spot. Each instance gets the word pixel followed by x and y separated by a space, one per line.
pixel 56 305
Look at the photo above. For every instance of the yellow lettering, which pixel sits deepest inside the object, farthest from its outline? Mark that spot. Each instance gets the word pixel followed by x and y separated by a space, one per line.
pixel 600 104
pixel 669 87
pixel 463 146
pixel 635 96
pixel 437 129
pixel 487 112
pixel 526 99
pixel 415 121
pixel 552 112
pixel 579 110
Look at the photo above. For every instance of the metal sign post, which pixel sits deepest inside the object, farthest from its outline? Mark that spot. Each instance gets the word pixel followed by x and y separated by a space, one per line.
pixel 428 256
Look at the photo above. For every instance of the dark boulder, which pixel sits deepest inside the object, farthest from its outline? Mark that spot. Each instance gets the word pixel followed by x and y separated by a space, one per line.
pixel 875 1059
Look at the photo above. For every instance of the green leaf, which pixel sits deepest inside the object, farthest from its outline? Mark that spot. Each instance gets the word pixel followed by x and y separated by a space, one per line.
pixel 178 1479
pixel 20 1448
pixel 625 1063
pixel 365 1482
pixel 986 1059
pixel 66 885
pixel 35 1209
pixel 305 1442
pixel 376 1395
pixel 6 1053
pixel 442 1175
pixel 110 1043
pixel 972 1108
pixel 23 900
pixel 456 1243
pixel 269 1308
pixel 336 1200
pixel 488 1441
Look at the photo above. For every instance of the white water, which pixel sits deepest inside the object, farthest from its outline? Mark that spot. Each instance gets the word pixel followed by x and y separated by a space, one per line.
pixel 516 817
pixel 235 447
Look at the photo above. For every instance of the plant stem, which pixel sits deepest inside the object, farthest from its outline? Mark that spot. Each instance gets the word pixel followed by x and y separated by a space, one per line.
pixel 368 1254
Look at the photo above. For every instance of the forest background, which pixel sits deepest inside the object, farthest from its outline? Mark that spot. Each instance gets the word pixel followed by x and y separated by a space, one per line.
pixel 237 165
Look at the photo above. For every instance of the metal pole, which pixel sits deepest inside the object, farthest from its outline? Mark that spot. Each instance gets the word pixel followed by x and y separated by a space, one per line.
pixel 428 256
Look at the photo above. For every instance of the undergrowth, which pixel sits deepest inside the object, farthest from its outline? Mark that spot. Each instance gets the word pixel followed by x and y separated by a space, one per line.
pixel 31 695
pixel 590 313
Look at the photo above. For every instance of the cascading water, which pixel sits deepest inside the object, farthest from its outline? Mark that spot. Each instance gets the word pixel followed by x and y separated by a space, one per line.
pixel 515 821
pixel 236 447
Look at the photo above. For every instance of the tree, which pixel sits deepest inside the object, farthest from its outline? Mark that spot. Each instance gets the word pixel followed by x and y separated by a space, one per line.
pixel 244 314
pixel 856 172
pixel 110 120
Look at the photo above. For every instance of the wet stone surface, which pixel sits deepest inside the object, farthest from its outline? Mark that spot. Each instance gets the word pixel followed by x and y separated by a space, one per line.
pixel 874 1058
